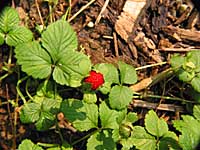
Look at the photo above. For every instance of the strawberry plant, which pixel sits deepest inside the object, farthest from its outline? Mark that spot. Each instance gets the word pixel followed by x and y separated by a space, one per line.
pixel 102 111
pixel 188 68
pixel 189 128
pixel 10 31
pixel 12 34
pixel 55 56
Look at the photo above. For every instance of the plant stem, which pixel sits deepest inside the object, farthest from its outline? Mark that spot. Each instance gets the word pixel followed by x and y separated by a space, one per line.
pixel 4 76
pixel 47 144
pixel 152 65
pixel 18 88
pixel 69 9
pixel 82 9
pixel 10 58
pixel 27 92
pixel 51 11
pixel 59 132
pixel 85 137
pixel 164 97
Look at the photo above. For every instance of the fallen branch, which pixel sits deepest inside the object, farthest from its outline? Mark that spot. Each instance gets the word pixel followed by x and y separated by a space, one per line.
pixel 149 105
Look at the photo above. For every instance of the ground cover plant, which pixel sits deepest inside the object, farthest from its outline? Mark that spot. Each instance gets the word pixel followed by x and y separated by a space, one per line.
pixel 51 65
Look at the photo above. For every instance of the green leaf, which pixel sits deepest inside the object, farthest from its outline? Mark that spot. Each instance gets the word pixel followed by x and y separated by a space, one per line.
pixel 105 116
pixel 83 116
pixel 71 68
pixel 90 97
pixel 9 18
pixel 189 127
pixel 30 112
pixel 131 117
pixel 185 76
pixel 101 141
pixel 18 35
pixel 127 73
pixel 188 68
pixel 51 105
pixel 196 82
pixel 188 141
pixel 196 112
pixel 47 89
pixel 1 38
pixel 194 95
pixel 177 61
pixel 125 130
pixel 126 126
pixel 169 141
pixel 59 38
pixel 120 97
pixel 42 112
pixel 63 147
pixel 45 121
pixel 141 139
pixel 35 61
pixel 29 145
pixel 154 125
pixel 105 88
pixel 109 72
pixel 193 57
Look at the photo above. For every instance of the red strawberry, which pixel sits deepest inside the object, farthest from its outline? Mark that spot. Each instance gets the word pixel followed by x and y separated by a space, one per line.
pixel 95 79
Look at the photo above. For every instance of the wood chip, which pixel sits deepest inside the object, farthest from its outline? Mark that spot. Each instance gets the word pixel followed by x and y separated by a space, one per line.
pixel 126 20
pixel 182 34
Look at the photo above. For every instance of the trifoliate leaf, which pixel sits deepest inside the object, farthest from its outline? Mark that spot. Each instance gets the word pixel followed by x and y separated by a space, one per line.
pixel 71 68
pixel 105 116
pixel 9 18
pixel 127 73
pixel 188 68
pixel 83 116
pixel 18 35
pixel 169 141
pixel 101 141
pixel 109 72
pixel 141 139
pixel 120 97
pixel 29 145
pixel 196 112
pixel 154 125
pixel 59 38
pixel 42 112
pixel 189 127
pixel 35 60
